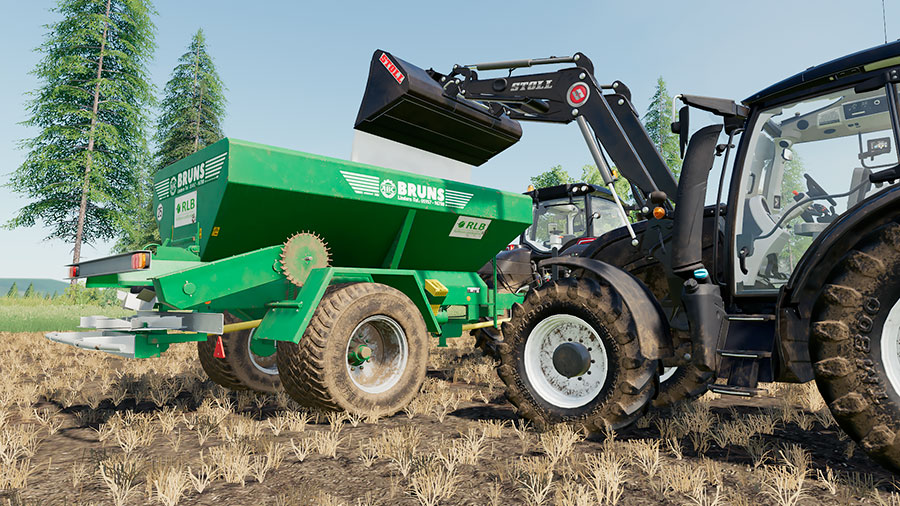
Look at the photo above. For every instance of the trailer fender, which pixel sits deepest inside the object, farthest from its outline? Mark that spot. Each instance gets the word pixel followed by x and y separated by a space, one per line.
pixel 653 328
pixel 287 320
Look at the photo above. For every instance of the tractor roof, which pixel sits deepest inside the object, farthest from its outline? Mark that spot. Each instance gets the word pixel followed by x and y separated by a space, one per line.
pixel 885 55
pixel 565 190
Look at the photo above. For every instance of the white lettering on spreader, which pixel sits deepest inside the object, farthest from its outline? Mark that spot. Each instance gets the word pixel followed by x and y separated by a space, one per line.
pixel 406 191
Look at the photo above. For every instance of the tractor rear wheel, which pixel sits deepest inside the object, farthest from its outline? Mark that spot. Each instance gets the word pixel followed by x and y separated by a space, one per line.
pixel 241 369
pixel 570 354
pixel 855 344
pixel 365 351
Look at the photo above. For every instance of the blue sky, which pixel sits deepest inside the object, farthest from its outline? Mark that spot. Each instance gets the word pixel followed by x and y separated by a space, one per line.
pixel 296 71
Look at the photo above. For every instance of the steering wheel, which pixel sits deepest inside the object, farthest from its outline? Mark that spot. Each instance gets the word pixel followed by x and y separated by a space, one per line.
pixel 816 190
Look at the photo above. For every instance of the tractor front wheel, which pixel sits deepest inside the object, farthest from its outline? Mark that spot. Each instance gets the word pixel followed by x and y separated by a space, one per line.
pixel 365 351
pixel 570 354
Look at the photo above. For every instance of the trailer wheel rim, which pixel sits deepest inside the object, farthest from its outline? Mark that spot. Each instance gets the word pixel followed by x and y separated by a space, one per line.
pixel 266 365
pixel 386 341
pixel 547 382
pixel 667 373
pixel 890 346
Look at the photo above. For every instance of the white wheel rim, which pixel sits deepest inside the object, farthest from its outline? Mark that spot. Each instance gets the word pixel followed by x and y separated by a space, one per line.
pixel 390 353
pixel 265 365
pixel 667 373
pixel 890 347
pixel 547 382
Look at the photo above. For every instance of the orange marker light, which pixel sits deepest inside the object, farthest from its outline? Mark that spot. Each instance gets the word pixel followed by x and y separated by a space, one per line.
pixel 531 187
pixel 139 261
pixel 659 213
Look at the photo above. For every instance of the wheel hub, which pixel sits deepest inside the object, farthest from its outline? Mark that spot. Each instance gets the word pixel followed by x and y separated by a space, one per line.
pixel 565 361
pixel 377 354
pixel 360 355
pixel 571 359
pixel 890 347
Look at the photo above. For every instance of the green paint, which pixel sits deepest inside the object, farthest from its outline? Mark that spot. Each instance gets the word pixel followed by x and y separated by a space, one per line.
pixel 239 201
pixel 249 198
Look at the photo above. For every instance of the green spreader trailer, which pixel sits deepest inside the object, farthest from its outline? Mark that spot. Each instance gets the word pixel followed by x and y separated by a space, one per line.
pixel 319 275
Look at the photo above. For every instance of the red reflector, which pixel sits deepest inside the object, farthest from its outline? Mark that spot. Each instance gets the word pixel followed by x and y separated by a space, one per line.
pixel 73 271
pixel 139 261
pixel 586 240
pixel 219 352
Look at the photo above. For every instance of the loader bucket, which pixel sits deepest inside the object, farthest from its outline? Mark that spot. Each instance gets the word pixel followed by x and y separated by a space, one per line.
pixel 405 104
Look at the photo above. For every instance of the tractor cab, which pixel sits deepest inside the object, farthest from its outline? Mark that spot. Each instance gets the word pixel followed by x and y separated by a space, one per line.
pixel 807 161
pixel 568 215
pixel 566 218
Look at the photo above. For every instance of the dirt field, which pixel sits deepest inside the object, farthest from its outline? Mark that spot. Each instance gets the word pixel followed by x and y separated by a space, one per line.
pixel 85 428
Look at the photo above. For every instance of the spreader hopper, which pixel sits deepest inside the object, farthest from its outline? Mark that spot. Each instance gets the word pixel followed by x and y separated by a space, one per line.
pixel 235 196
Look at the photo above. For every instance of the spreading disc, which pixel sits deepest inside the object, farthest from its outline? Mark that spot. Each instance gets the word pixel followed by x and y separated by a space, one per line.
pixel 302 253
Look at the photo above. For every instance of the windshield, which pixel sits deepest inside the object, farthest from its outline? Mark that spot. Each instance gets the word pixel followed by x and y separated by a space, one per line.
pixel 807 162
pixel 557 222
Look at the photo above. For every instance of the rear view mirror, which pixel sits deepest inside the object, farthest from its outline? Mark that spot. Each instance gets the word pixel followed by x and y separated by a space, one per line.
pixel 682 127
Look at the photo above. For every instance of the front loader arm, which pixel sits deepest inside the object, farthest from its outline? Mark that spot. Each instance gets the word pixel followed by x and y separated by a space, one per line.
pixel 567 95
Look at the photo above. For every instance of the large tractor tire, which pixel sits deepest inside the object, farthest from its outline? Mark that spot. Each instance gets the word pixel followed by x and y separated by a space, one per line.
pixel 365 351
pixel 571 355
pixel 681 383
pixel 855 344
pixel 241 369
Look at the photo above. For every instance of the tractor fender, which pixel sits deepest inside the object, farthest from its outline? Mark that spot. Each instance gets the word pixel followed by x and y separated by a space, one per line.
pixel 797 298
pixel 652 325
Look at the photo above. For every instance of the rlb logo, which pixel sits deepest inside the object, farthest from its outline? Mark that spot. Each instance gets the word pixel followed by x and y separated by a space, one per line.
pixel 469 227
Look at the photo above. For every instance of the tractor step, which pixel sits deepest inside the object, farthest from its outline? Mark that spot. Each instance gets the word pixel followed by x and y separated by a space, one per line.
pixel 736 390
pixel 754 354
pixel 745 356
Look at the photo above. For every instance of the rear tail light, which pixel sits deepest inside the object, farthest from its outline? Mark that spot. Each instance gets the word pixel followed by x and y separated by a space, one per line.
pixel 586 240
pixel 140 260
pixel 73 271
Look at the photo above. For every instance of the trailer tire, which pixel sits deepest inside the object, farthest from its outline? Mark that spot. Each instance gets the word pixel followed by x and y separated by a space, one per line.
pixel 855 340
pixel 318 371
pixel 240 369
pixel 625 381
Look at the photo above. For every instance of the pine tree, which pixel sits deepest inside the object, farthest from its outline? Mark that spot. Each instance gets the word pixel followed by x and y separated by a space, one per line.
pixel 193 106
pixel 13 291
pixel 29 292
pixel 90 112
pixel 191 119
pixel 658 123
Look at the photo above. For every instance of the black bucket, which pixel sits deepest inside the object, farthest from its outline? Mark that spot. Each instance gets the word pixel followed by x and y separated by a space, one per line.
pixel 405 104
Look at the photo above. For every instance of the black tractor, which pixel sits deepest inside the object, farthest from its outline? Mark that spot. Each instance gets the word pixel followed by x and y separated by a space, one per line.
pixel 566 219
pixel 792 274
